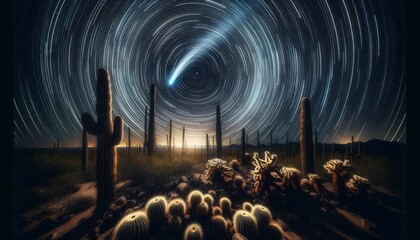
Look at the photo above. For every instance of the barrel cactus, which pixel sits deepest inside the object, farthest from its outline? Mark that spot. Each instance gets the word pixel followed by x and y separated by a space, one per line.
pixel 193 232
pixel 210 201
pixel 109 134
pixel 218 227
pixel 246 224
pixel 134 226
pixel 194 198
pixel 175 223
pixel 177 207
pixel 263 216
pixel 217 211
pixel 273 232
pixel 247 206
pixel 202 210
pixel 156 211
pixel 226 206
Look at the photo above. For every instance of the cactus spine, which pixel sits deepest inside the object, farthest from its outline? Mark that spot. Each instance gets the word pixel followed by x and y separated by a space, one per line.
pixel 306 150
pixel 218 133
pixel 109 134
pixel 84 149
pixel 152 131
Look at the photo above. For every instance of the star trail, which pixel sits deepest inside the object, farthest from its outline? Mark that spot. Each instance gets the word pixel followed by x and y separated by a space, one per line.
pixel 257 59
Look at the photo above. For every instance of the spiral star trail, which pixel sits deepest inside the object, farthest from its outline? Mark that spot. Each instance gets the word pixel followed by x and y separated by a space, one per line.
pixel 257 59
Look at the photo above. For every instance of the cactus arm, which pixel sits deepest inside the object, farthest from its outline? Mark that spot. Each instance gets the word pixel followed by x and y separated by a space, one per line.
pixel 89 124
pixel 118 131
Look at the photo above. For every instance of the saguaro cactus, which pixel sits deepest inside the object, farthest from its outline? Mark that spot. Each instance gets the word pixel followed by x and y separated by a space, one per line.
pixel 84 149
pixel 170 140
pixel 109 134
pixel 152 137
pixel 145 131
pixel 129 138
pixel 183 140
pixel 243 147
pixel 287 146
pixel 207 147
pixel 315 146
pixel 218 133
pixel 306 149
pixel 352 147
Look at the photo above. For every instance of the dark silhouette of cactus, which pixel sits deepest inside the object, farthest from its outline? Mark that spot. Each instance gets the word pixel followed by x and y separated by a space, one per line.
pixel 183 140
pixel 129 138
pixel 58 148
pixel 217 211
pixel 306 149
pixel 175 223
pixel 287 146
pixel 352 147
pixel 218 133
pixel 207 147
pixel 109 134
pixel 315 146
pixel 156 212
pixel 85 149
pixel 323 152
pixel 332 150
pixel 177 207
pixel 212 147
pixel 170 140
pixel 193 232
pixel 133 226
pixel 359 150
pixel 145 131
pixel 230 147
pixel 54 150
pixel 273 232
pixel 243 147
pixel 340 172
pixel 152 131
pixel 246 224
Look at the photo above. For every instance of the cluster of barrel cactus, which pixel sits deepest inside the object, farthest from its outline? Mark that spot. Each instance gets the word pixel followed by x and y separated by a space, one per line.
pixel 197 217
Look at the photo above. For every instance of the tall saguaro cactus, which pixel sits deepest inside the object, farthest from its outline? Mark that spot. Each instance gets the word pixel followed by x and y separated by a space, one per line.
pixel 243 146
pixel 84 149
pixel 152 131
pixel 258 141
pixel 218 133
pixel 129 138
pixel 207 147
pixel 315 146
pixel 145 131
pixel 183 140
pixel 170 140
pixel 306 149
pixel 109 134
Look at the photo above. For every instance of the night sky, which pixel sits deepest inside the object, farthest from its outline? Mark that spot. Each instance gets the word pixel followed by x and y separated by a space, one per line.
pixel 257 59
